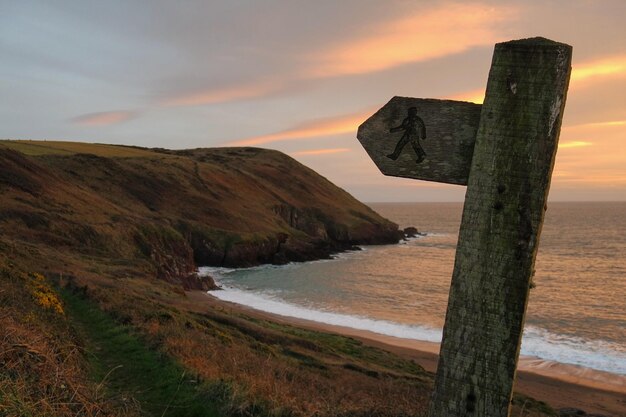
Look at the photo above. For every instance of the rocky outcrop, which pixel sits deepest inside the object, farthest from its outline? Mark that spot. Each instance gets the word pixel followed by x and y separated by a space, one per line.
pixel 318 224
pixel 411 232
pixel 168 251
pixel 197 282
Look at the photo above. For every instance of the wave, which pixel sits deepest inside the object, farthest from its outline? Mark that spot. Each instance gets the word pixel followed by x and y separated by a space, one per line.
pixel 270 303
pixel 537 342
pixel 595 354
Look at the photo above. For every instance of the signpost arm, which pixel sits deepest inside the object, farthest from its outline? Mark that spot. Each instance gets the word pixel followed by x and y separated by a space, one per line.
pixel 504 207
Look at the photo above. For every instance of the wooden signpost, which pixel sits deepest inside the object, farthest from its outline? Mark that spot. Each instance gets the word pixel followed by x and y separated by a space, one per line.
pixel 504 151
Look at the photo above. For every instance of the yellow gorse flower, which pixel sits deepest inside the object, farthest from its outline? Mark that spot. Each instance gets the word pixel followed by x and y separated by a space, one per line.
pixel 43 293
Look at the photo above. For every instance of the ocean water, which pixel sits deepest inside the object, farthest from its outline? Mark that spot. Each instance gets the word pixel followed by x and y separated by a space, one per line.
pixel 576 312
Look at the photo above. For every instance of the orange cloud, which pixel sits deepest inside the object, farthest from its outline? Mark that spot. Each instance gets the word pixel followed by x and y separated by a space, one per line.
pixel 607 180
pixel 615 123
pixel 316 128
pixel 473 96
pixel 594 154
pixel 574 144
pixel 448 29
pixel 612 66
pixel 222 95
pixel 320 152
pixel 104 118
pixel 428 34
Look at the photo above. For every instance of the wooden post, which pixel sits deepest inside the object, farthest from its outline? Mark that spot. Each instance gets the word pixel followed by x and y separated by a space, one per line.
pixel 503 213
pixel 504 151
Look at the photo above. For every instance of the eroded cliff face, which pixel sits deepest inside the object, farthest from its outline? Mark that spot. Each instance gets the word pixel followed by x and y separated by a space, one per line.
pixel 166 212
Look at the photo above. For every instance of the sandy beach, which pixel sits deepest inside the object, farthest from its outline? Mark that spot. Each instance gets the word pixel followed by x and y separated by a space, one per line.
pixel 559 385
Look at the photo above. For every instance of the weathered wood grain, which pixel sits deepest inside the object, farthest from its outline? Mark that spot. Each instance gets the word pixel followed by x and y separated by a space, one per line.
pixel 502 217
pixel 450 132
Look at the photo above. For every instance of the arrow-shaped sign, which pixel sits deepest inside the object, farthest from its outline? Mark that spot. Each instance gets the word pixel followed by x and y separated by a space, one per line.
pixel 423 139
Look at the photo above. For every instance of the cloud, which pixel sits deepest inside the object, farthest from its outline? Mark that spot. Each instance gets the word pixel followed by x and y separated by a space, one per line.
pixel 447 29
pixel 598 179
pixel 222 95
pixel 574 144
pixel 615 123
pixel 429 33
pixel 315 128
pixel 320 152
pixel 594 155
pixel 104 118
pixel 474 96
pixel 606 67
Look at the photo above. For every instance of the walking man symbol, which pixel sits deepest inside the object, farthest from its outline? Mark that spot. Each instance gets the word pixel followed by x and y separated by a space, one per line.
pixel 414 130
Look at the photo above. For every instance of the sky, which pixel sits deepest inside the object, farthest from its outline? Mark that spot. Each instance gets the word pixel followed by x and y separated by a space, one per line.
pixel 300 76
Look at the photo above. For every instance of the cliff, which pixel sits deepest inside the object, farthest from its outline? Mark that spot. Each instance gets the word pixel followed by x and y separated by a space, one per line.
pixel 165 211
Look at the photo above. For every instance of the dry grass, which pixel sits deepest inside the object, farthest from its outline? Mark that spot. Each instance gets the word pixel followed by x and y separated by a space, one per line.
pixel 251 367
pixel 117 223
pixel 216 206
pixel 41 147
pixel 42 368
pixel 257 369
pixel 267 369
pixel 306 384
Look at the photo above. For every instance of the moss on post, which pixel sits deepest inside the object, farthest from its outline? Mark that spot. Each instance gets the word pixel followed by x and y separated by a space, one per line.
pixel 504 209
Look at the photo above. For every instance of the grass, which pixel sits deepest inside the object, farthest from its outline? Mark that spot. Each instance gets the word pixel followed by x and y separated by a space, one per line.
pixel 42 370
pixel 351 348
pixel 130 371
pixel 40 147
pixel 226 203
pixel 77 218
pixel 131 349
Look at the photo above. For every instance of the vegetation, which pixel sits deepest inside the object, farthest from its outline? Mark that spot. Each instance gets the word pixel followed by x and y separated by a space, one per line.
pixel 175 209
pixel 42 364
pixel 254 367
pixel 38 148
pixel 96 247
pixel 132 373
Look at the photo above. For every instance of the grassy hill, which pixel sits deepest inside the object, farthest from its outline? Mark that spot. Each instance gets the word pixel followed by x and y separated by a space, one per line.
pixel 98 243
pixel 173 210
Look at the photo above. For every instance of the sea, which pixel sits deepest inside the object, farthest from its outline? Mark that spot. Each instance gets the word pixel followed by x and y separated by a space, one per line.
pixel 576 312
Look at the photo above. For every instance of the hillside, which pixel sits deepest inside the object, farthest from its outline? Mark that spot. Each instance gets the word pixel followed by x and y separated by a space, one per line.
pixel 173 210
pixel 98 243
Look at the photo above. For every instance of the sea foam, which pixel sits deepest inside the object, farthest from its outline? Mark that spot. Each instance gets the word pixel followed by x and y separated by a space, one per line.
pixel 537 342
pixel 271 303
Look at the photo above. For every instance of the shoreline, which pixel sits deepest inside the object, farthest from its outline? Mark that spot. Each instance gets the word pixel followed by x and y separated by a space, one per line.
pixel 559 385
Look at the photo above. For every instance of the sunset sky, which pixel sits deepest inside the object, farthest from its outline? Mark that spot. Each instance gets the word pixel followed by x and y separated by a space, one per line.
pixel 300 76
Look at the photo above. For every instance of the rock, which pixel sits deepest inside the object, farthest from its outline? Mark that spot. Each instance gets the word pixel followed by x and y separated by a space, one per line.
pixel 197 282
pixel 411 232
